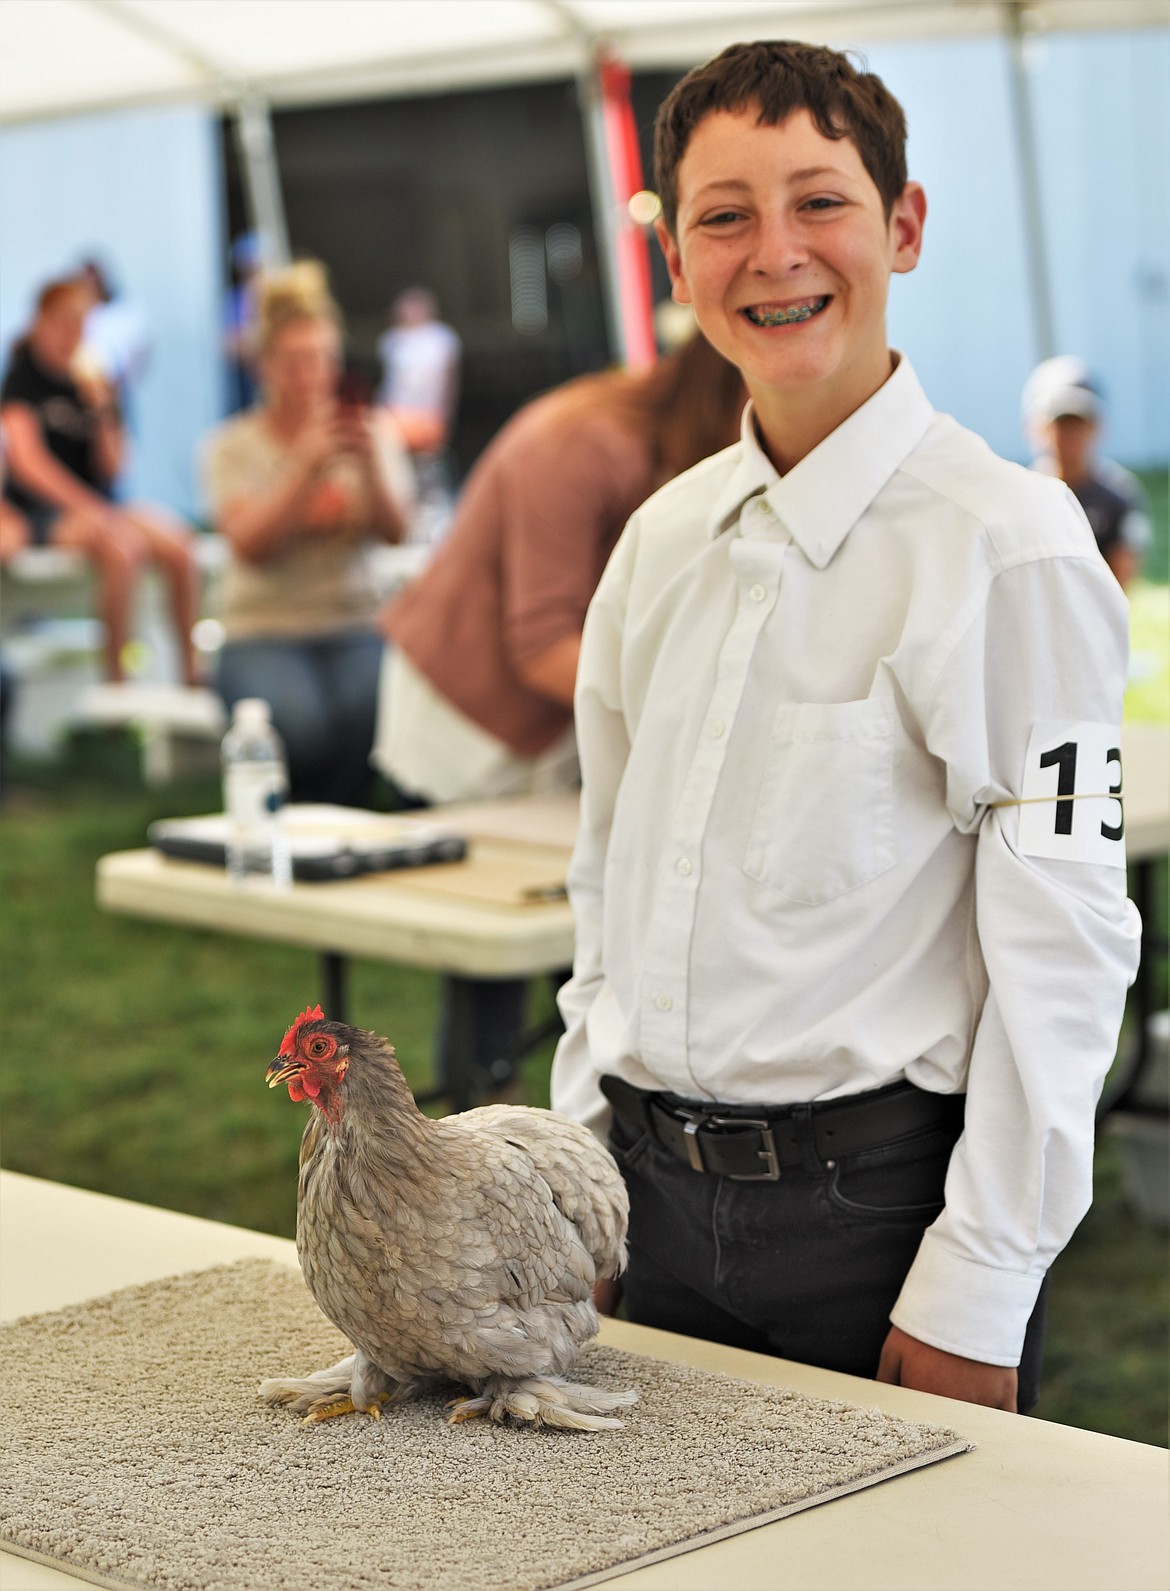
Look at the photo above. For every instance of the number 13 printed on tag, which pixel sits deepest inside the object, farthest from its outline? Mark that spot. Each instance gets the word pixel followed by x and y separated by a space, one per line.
pixel 1070 804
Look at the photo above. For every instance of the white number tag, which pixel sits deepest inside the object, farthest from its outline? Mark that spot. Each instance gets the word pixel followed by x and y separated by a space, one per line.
pixel 1070 804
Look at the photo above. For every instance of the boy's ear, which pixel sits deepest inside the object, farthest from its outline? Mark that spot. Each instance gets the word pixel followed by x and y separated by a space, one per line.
pixel 679 290
pixel 907 219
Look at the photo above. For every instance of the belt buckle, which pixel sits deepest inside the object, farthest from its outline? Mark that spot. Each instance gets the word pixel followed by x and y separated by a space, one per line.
pixel 691 1125
pixel 768 1154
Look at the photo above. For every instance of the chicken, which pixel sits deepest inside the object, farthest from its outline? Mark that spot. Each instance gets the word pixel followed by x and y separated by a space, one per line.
pixel 461 1250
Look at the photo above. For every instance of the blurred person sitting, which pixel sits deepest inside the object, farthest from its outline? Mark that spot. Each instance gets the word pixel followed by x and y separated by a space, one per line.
pixel 302 486
pixel 477 693
pixel 64 445
pixel 1063 417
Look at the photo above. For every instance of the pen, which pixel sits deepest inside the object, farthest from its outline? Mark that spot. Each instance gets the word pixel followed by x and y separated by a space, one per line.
pixel 544 892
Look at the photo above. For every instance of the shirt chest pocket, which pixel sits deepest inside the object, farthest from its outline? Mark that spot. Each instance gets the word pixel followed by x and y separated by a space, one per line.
pixel 824 824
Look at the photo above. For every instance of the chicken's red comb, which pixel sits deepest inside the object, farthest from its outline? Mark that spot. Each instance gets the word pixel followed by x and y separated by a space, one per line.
pixel 313 1014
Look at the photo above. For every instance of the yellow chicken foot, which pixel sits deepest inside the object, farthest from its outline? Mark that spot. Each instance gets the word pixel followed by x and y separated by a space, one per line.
pixel 467 1409
pixel 344 1405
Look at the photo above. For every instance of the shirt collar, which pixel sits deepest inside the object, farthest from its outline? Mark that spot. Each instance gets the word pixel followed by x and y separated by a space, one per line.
pixel 822 498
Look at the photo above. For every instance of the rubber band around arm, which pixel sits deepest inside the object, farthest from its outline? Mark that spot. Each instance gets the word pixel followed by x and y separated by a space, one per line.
pixel 1086 795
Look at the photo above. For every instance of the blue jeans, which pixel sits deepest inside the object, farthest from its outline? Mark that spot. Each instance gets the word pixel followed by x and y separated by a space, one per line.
pixel 323 692
pixel 807 1267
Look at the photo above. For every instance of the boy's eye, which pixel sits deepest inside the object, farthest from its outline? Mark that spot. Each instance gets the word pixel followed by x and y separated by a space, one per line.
pixel 721 218
pixel 822 203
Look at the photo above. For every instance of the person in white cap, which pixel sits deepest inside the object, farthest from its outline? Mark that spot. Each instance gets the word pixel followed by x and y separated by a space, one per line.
pixel 1063 418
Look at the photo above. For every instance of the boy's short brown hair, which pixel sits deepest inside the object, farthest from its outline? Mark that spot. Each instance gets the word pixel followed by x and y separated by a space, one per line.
pixel 781 76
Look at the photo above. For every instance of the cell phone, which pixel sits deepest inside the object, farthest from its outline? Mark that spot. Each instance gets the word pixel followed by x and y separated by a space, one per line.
pixel 354 391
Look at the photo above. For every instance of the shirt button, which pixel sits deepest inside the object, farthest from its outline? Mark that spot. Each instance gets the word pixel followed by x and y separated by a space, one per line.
pixel 718 727
pixel 663 1002
pixel 758 593
pixel 684 866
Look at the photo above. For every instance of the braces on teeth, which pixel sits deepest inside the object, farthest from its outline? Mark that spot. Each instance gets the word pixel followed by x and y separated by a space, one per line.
pixel 785 317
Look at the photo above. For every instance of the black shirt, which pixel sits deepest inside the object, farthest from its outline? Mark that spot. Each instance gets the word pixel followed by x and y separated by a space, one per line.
pixel 67 424
pixel 1106 510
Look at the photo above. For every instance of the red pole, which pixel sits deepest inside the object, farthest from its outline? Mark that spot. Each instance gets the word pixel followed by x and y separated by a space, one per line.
pixel 635 298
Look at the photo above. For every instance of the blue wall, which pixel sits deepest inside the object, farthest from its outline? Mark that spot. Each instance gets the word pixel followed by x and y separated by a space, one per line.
pixel 142 190
pixel 1102 118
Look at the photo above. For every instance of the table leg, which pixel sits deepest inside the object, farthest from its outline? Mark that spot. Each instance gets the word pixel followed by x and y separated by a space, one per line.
pixel 475 1053
pixel 334 972
pixel 462 1015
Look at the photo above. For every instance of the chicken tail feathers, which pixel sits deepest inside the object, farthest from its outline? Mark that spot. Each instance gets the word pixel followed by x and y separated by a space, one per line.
pixel 546 1400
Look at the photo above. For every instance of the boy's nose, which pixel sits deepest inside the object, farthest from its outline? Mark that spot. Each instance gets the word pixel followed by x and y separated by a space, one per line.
pixel 778 246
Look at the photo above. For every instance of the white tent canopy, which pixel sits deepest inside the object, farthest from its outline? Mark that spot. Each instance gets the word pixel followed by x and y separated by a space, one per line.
pixel 63 57
pixel 68 57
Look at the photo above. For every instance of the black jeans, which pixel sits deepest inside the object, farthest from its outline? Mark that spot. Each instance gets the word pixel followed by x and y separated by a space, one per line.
pixel 807 1267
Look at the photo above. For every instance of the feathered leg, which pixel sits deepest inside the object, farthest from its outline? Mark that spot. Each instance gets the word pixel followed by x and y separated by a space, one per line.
pixel 352 1386
pixel 544 1400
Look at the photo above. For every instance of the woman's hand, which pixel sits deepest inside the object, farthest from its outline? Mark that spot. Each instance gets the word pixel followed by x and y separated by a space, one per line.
pixel 323 439
pixel 387 519
pixel 343 433
pixel 357 438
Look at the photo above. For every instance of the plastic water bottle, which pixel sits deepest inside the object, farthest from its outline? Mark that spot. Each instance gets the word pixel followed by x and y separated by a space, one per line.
pixel 254 787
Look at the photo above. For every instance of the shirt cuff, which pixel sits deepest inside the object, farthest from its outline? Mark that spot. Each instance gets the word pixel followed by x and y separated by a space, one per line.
pixel 962 1307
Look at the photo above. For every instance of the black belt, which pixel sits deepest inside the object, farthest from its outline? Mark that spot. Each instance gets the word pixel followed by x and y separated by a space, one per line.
pixel 755 1145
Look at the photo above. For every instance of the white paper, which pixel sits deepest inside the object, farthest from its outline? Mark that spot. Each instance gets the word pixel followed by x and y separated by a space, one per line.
pixel 1081 761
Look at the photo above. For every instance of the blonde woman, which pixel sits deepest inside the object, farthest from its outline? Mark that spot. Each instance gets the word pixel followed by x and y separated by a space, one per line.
pixel 302 486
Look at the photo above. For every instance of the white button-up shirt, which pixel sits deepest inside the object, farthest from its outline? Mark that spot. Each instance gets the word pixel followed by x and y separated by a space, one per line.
pixel 800 702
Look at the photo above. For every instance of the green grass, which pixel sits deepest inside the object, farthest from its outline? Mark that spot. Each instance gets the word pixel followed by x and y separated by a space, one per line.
pixel 1156 484
pixel 134 1052
pixel 1109 1320
pixel 134 1057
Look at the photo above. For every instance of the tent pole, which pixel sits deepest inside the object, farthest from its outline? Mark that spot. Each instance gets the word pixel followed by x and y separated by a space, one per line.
pixel 265 203
pixel 604 204
pixel 633 253
pixel 1034 241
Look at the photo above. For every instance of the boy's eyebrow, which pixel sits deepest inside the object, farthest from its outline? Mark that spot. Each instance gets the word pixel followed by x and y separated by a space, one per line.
pixel 739 185
pixel 816 171
pixel 723 183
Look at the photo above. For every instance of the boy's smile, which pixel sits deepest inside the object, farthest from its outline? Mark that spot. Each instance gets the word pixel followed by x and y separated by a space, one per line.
pixel 786 314
pixel 784 250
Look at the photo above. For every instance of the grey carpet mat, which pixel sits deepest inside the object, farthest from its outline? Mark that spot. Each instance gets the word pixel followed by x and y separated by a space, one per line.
pixel 138 1455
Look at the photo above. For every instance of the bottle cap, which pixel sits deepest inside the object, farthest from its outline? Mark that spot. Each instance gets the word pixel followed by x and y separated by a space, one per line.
pixel 251 711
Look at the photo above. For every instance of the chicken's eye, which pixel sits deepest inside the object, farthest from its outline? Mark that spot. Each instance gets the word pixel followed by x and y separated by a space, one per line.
pixel 319 1048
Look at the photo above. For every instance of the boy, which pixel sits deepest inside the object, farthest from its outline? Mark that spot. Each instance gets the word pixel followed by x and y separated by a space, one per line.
pixel 852 935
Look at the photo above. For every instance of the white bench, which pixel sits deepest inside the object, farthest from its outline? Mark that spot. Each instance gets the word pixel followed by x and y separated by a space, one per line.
pixel 180 726
pixel 53 645
pixel 52 642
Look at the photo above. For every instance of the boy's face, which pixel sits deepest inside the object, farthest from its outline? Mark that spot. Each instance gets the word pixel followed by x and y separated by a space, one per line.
pixel 783 248
pixel 1073 439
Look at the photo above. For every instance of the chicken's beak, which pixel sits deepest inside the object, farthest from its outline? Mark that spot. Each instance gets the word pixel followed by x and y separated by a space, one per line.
pixel 281 1069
